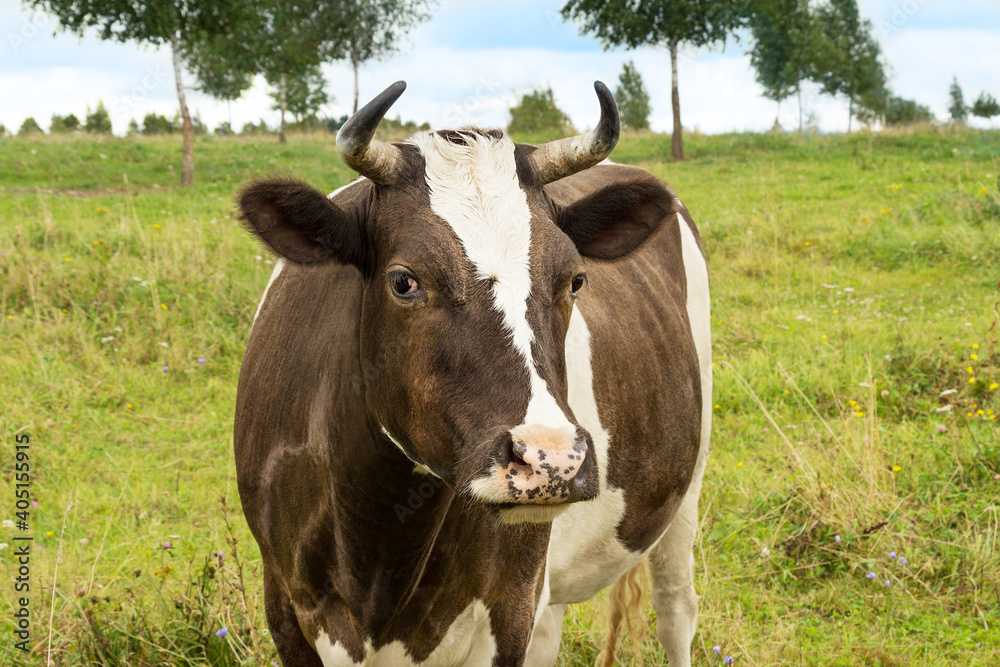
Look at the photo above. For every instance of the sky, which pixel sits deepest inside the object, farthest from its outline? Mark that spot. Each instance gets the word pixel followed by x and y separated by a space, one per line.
pixel 474 59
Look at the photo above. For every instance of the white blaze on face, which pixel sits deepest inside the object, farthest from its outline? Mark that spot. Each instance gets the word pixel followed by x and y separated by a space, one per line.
pixel 475 189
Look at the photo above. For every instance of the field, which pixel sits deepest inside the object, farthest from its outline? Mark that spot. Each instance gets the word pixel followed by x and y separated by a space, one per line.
pixel 850 510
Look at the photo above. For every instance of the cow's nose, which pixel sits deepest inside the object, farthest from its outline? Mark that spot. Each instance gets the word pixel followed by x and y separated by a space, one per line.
pixel 549 465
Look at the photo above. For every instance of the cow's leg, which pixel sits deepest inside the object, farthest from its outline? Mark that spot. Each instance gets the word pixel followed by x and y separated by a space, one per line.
pixel 671 564
pixel 293 648
pixel 544 647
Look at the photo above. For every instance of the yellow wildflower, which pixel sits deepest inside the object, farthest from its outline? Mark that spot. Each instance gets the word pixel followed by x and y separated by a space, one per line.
pixel 974 357
pixel 896 468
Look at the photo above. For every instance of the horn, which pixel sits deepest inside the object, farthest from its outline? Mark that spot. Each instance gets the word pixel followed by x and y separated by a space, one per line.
pixel 557 159
pixel 377 160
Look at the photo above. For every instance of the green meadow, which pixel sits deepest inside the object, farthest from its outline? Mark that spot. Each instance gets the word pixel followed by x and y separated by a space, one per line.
pixel 850 511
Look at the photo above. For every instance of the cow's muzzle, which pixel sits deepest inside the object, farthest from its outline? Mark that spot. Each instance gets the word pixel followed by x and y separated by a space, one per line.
pixel 540 465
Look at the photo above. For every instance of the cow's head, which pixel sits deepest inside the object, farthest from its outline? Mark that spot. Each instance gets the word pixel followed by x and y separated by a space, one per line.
pixel 470 276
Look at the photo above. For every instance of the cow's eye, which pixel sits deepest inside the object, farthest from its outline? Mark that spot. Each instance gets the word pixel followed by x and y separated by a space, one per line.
pixel 578 282
pixel 403 284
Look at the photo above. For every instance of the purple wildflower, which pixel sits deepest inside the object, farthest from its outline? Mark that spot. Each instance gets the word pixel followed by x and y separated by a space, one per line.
pixel 870 575
pixel 717 649
pixel 888 583
pixel 167 545
pixel 892 554
pixel 836 538
pixel 165 368
pixel 902 560
pixel 201 360
pixel 222 632
pixel 221 554
pixel 729 660
pixel 941 428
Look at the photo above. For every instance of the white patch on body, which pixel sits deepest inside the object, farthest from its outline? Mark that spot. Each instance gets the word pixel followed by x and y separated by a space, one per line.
pixel 468 641
pixel 585 554
pixel 475 189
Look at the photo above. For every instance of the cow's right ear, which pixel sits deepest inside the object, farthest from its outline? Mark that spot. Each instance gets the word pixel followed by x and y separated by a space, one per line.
pixel 300 223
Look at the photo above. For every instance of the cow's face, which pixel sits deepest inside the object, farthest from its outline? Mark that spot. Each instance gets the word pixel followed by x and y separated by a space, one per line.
pixel 471 275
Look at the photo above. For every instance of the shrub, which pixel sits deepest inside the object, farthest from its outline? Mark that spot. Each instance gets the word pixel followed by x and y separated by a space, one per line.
pixel 224 129
pixel 900 111
pixel 29 126
pixel 537 112
pixel 154 123
pixel 256 129
pixel 62 124
pixel 99 120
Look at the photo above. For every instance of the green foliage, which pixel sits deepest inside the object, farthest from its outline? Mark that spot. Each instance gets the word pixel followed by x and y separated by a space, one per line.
pixel 154 123
pixel 632 98
pixel 537 112
pixel 957 109
pixel 900 111
pixel 785 45
pixel 256 129
pixel 224 129
pixel 98 121
pixel 62 124
pixel 305 93
pixel 376 28
pixel 29 126
pixel 985 106
pixel 849 59
pixel 656 22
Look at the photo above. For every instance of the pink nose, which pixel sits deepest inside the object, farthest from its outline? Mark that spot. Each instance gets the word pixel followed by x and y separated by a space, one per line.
pixel 545 464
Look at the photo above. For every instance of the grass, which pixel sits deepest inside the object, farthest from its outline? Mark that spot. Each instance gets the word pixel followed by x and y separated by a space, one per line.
pixel 855 301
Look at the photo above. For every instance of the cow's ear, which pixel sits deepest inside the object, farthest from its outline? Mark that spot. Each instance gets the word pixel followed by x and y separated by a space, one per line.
pixel 300 223
pixel 615 220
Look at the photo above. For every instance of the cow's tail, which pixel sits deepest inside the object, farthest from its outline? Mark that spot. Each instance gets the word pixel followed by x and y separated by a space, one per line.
pixel 626 599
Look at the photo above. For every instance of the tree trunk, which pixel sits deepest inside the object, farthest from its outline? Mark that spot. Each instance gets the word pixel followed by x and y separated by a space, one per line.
pixel 850 113
pixel 677 140
pixel 800 109
pixel 283 88
pixel 354 66
pixel 187 161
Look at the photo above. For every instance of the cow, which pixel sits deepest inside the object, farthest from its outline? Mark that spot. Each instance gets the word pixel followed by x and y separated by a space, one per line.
pixel 477 389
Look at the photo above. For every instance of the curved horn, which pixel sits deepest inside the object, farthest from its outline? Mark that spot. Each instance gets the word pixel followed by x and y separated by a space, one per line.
pixel 377 160
pixel 557 159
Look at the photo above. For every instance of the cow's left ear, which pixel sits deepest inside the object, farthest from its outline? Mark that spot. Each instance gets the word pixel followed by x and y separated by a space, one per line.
pixel 300 223
pixel 616 219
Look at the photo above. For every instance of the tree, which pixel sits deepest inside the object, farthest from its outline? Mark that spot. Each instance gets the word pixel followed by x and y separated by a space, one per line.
pixel 899 111
pixel 61 124
pixel 305 94
pixel 155 123
pixel 177 23
pixel 667 23
pixel 29 126
pixel 375 29
pixel 784 40
pixel 986 107
pixel 959 112
pixel 849 60
pixel 537 112
pixel 632 98
pixel 97 121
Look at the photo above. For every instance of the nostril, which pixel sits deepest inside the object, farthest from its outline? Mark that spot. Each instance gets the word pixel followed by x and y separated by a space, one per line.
pixel 519 449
